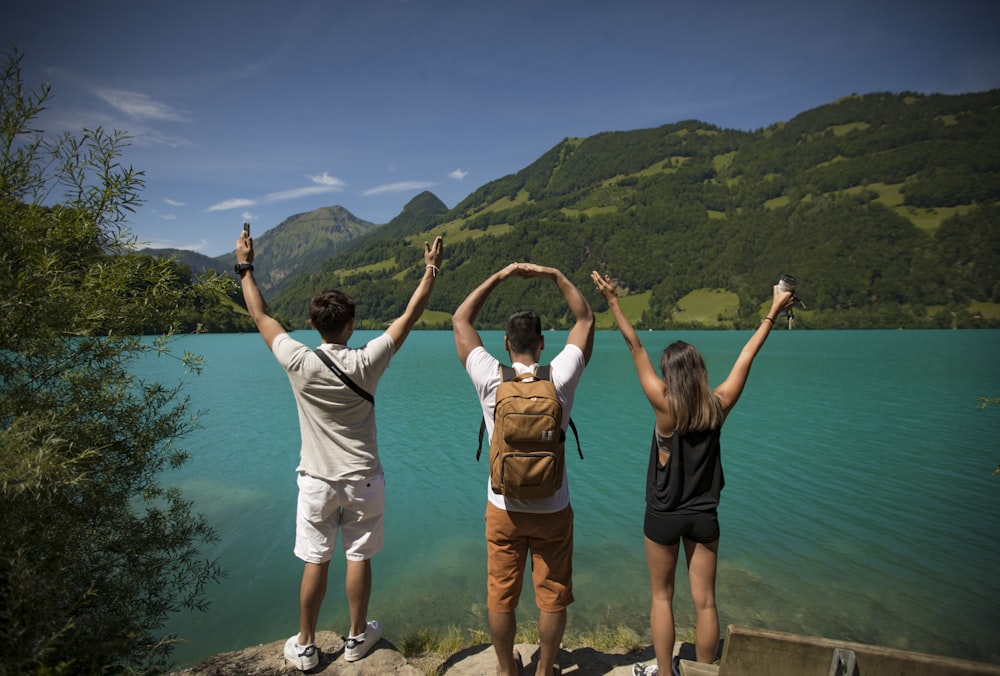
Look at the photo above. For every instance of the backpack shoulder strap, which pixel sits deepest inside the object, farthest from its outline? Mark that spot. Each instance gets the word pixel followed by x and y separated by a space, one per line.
pixel 545 373
pixel 572 426
pixel 482 433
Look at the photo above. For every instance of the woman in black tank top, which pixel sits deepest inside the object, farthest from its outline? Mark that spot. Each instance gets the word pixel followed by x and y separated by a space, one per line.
pixel 684 478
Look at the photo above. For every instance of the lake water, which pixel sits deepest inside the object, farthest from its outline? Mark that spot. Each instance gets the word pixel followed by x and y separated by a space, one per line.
pixel 860 503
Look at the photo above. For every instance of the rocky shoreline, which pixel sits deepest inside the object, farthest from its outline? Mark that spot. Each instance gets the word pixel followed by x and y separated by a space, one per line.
pixel 268 660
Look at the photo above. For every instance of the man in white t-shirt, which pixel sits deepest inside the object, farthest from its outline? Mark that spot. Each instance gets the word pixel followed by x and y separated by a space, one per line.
pixel 541 526
pixel 339 473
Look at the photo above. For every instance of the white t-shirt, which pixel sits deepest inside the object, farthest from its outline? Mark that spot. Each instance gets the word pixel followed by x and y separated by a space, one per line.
pixel 484 370
pixel 337 425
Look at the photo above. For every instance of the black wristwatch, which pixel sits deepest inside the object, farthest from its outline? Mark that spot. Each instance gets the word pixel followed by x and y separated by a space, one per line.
pixel 240 268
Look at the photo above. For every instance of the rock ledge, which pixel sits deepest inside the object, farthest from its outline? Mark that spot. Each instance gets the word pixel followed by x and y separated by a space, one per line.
pixel 268 660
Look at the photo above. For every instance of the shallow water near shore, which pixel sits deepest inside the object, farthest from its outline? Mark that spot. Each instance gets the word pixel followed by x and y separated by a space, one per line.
pixel 859 501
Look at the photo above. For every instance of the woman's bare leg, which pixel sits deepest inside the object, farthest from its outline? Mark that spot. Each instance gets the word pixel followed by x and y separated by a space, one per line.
pixel 662 563
pixel 702 561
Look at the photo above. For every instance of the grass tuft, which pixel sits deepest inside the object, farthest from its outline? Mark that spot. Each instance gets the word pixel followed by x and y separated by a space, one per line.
pixel 453 640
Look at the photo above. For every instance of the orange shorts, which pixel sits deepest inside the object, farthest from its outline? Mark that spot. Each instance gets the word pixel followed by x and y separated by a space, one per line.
pixel 509 538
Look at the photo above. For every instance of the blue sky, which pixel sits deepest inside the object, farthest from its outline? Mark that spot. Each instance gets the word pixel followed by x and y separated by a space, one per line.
pixel 252 110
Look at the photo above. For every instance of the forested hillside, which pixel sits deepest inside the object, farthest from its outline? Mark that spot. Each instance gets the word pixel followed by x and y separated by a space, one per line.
pixel 884 206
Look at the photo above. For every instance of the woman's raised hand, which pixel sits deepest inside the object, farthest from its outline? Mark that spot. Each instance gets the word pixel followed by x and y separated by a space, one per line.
pixel 783 300
pixel 604 285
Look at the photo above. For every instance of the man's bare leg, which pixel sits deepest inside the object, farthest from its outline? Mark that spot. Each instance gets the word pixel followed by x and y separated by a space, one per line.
pixel 311 594
pixel 503 628
pixel 358 582
pixel 551 627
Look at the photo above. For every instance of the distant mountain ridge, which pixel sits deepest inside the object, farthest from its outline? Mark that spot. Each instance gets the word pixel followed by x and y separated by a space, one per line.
pixel 885 206
pixel 197 262
pixel 303 242
pixel 298 245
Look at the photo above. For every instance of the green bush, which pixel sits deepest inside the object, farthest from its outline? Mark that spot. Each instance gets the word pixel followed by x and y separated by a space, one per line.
pixel 94 551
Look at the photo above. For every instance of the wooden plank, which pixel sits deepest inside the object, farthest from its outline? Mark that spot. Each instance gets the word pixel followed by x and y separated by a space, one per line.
pixel 752 652
pixel 689 668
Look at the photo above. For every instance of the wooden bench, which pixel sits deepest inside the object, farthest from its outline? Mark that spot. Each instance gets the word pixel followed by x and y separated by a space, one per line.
pixel 759 652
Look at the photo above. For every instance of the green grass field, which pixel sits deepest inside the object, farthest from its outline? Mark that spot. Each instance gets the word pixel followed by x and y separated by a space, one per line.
pixel 381 266
pixel 986 310
pixel 712 307
pixel 633 307
pixel 433 319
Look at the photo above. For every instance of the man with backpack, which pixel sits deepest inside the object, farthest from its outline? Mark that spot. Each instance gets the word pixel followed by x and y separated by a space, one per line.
pixel 528 506
pixel 341 486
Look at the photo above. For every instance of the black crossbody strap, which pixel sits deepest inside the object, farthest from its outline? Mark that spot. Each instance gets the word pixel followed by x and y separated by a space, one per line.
pixel 343 376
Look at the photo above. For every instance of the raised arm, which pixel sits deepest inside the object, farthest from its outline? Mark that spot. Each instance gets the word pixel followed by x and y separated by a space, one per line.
pixel 401 327
pixel 650 381
pixel 466 336
pixel 730 390
pixel 582 333
pixel 268 327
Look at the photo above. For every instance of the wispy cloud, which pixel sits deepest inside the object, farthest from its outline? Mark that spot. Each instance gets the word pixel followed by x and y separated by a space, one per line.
pixel 235 203
pixel 200 246
pixel 146 135
pixel 166 244
pixel 296 193
pixel 142 133
pixel 168 217
pixel 140 106
pixel 402 186
pixel 326 179
pixel 322 184
pixel 458 174
pixel 173 203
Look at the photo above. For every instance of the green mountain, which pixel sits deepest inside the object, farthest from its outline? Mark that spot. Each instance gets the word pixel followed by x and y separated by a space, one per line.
pixel 196 262
pixel 298 245
pixel 302 243
pixel 884 207
pixel 380 257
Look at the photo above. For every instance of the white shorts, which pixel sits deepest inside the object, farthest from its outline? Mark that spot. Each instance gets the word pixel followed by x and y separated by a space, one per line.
pixel 355 507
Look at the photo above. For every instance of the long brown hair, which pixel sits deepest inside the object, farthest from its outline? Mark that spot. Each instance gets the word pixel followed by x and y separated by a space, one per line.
pixel 688 394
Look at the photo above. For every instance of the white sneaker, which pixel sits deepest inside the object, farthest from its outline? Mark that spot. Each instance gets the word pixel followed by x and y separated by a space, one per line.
pixel 302 657
pixel 640 669
pixel 358 646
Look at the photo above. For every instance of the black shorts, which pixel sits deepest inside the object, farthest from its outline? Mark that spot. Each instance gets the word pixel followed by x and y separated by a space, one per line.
pixel 668 529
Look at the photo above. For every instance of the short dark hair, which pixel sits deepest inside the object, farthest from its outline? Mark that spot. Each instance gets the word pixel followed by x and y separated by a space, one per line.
pixel 524 331
pixel 330 311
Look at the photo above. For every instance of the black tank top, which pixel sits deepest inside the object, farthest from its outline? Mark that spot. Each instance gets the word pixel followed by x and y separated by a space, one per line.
pixel 692 480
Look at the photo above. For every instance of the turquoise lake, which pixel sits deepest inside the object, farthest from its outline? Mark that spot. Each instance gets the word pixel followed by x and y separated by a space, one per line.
pixel 859 505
